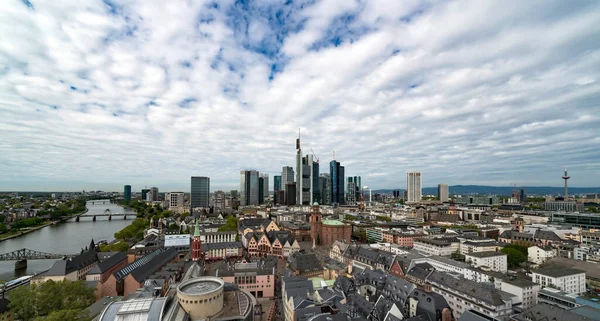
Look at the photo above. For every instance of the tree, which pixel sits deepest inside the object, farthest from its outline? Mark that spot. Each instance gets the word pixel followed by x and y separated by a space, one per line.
pixel 514 257
pixel 115 247
pixel 51 300
pixel 230 225
pixel 64 315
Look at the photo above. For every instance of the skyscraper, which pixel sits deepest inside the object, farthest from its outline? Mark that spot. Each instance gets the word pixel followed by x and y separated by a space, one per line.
pixel 219 200
pixel 315 186
pixel 277 183
pixel 336 175
pixel 249 187
pixel 152 195
pixel 261 189
pixel 290 194
pixel 325 188
pixel 265 186
pixel 145 193
pixel 299 167
pixel 200 189
pixel 350 191
pixel 287 175
pixel 127 193
pixel 443 192
pixel 413 186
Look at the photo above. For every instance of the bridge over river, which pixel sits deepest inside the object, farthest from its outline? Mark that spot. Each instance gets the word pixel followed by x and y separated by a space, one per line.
pixel 22 255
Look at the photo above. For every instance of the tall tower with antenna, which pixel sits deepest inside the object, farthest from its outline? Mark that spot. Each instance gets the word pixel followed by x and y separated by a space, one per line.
pixel 566 177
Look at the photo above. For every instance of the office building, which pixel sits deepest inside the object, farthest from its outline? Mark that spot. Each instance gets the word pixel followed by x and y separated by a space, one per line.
pixel 314 182
pixel 152 195
pixel 174 200
pixel 443 192
pixel 336 176
pixel 199 196
pixel 261 189
pixel 127 193
pixel 306 181
pixel 351 191
pixel 290 194
pixel 279 197
pixel 359 188
pixel 277 183
pixel 249 188
pixel 325 188
pixel 522 196
pixel 265 185
pixel 287 175
pixel 413 186
pixel 563 206
pixel 145 193
pixel 219 200
pixel 492 260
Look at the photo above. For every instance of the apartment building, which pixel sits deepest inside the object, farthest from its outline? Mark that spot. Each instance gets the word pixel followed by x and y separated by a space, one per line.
pixel 492 260
pixel 436 246
pixel 525 290
pixel 565 279
pixel 540 254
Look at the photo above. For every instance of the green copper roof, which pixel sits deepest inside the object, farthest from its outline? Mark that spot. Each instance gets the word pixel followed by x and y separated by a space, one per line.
pixel 197 229
pixel 332 222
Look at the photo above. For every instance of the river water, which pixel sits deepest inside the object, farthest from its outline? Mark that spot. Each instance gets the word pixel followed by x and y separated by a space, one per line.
pixel 64 238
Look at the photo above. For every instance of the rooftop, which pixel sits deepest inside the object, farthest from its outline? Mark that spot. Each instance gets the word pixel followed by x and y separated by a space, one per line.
pixel 200 286
pixel 485 254
pixel 332 222
pixel 557 272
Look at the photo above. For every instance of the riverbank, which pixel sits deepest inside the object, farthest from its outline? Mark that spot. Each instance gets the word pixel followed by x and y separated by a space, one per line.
pixel 15 234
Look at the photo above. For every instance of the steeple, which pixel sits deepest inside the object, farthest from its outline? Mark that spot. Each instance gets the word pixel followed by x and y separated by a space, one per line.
pixel 197 229
pixel 92 245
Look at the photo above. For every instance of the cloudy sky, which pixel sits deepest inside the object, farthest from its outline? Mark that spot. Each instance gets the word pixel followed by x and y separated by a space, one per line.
pixel 97 94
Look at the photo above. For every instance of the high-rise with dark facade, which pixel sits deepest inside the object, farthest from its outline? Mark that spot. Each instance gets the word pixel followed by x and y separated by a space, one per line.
pixel 315 186
pixel 325 188
pixel 287 175
pixel 277 183
pixel 127 193
pixel 249 188
pixel 290 194
pixel 336 176
pixel 200 190
pixel 145 193
pixel 261 190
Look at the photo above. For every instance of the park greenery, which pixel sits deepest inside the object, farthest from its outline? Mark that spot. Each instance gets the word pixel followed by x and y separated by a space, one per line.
pixel 50 301
pixel 120 246
pixel 516 254
pixel 133 232
pixel 230 225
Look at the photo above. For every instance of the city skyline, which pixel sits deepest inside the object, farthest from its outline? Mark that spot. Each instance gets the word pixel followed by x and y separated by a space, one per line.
pixel 102 95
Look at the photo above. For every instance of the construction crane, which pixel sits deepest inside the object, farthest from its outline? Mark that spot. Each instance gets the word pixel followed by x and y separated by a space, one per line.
pixel 315 156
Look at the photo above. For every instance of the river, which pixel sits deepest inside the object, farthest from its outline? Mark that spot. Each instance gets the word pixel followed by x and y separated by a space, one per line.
pixel 64 238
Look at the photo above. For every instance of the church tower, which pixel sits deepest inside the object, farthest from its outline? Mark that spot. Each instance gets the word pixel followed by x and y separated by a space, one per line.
pixel 196 244
pixel 315 223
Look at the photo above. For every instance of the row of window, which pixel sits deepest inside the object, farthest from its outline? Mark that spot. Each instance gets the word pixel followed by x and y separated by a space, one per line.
pixel 200 301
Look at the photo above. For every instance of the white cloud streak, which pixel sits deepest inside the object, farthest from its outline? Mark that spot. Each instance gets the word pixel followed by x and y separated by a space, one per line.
pixel 97 94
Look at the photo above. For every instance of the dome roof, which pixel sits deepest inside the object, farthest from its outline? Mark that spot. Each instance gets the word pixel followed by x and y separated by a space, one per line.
pixel 315 204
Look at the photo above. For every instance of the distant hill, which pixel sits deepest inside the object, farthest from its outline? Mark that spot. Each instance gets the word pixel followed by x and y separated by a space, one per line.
pixel 503 190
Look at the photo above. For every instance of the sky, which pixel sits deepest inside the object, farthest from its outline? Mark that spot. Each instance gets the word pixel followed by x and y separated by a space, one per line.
pixel 99 94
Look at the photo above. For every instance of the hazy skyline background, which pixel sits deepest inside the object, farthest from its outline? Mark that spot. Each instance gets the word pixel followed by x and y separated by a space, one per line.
pixel 98 94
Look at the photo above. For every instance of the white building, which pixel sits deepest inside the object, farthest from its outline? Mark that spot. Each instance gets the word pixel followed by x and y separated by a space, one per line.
pixel 175 199
pixel 525 290
pixel 413 186
pixel 217 237
pixel 473 246
pixel 436 246
pixel 568 280
pixel 462 295
pixel 495 261
pixel 540 254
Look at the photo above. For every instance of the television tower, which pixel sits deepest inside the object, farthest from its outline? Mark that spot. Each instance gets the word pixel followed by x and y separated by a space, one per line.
pixel 566 177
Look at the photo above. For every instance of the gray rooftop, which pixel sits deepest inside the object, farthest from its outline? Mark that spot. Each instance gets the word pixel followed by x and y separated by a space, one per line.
pixel 543 311
pixel 557 272
pixel 485 254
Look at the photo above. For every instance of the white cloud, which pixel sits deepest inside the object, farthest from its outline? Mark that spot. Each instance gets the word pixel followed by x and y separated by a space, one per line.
pixel 96 96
